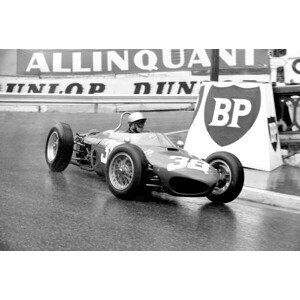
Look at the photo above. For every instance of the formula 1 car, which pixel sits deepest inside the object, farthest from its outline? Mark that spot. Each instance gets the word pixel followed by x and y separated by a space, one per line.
pixel 137 163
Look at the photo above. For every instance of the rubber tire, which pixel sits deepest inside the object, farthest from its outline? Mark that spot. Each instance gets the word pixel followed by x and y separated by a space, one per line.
pixel 139 161
pixel 65 147
pixel 237 181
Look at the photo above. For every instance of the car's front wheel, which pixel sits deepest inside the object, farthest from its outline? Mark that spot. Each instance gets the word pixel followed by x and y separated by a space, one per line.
pixel 125 170
pixel 59 147
pixel 231 174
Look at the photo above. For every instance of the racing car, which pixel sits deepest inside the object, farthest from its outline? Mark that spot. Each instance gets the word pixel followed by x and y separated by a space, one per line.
pixel 138 163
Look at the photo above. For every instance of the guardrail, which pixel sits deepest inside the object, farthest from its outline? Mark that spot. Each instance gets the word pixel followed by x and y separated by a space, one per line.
pixel 16 98
pixel 286 95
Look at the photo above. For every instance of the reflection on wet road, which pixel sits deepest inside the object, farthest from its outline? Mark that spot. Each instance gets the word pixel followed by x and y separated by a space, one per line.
pixel 74 210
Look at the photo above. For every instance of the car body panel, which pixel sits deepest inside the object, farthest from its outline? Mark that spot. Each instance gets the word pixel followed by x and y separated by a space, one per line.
pixel 171 164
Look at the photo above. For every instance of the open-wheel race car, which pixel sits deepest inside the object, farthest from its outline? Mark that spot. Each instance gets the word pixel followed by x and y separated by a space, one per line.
pixel 138 163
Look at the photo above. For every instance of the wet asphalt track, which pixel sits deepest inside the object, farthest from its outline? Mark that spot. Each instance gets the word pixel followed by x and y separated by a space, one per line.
pixel 74 210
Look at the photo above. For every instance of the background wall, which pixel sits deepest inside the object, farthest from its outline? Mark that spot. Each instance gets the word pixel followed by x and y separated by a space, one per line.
pixel 122 71
pixel 8 62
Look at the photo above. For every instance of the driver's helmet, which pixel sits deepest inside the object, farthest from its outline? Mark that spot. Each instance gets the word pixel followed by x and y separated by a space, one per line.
pixel 136 117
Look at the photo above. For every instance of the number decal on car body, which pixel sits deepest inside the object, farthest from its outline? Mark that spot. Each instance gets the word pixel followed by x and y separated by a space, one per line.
pixel 181 162
pixel 109 146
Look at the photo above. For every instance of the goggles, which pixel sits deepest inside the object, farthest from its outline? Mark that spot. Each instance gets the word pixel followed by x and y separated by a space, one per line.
pixel 140 123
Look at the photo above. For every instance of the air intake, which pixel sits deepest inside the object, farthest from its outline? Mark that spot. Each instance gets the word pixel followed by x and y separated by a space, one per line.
pixel 187 186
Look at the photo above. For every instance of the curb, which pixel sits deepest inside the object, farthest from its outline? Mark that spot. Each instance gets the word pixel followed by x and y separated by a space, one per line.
pixel 270 198
pixel 250 194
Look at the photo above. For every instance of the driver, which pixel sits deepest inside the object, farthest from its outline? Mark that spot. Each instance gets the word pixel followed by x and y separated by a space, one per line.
pixel 136 122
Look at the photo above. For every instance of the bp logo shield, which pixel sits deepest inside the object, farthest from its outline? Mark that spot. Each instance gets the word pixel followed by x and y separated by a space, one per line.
pixel 273 132
pixel 230 112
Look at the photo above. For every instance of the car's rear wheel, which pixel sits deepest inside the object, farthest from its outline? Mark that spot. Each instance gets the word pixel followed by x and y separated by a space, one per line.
pixel 59 147
pixel 125 170
pixel 231 177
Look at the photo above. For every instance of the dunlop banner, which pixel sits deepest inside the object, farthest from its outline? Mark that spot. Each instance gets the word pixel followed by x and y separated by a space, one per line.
pixel 94 85
pixel 130 61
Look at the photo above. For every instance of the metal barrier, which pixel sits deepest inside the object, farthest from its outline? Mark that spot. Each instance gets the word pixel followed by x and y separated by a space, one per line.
pixel 15 98
pixel 70 99
pixel 284 96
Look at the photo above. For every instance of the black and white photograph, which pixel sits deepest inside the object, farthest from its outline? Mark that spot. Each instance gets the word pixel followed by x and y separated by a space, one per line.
pixel 132 155
pixel 150 149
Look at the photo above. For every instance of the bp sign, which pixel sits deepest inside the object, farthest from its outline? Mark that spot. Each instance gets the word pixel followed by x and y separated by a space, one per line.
pixel 238 118
pixel 230 112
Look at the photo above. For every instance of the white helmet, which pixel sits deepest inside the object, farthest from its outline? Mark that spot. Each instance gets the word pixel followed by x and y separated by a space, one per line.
pixel 136 116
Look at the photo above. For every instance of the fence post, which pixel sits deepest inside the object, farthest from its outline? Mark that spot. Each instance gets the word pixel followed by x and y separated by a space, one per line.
pixel 214 72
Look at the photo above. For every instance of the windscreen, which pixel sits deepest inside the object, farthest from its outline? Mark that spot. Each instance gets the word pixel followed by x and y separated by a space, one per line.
pixel 151 139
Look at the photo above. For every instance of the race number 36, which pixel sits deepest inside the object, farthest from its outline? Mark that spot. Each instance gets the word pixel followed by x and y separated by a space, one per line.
pixel 180 162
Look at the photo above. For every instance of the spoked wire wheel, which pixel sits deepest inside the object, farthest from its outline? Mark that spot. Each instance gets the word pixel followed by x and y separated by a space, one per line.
pixel 125 171
pixel 121 171
pixel 52 146
pixel 225 176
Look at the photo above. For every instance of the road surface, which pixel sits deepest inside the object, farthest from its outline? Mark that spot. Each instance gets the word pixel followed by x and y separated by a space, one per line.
pixel 74 210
